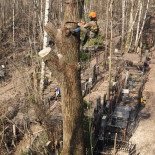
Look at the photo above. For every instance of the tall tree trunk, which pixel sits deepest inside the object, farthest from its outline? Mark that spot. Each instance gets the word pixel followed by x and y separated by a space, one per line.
pixel 44 46
pixel 13 23
pixel 64 63
pixel 41 11
pixel 138 24
pixel 34 24
pixel 107 24
pixel 130 29
pixel 123 23
pixel 110 51
pixel 144 19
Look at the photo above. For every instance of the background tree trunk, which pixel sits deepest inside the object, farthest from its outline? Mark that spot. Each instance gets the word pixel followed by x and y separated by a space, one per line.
pixel 65 67
pixel 130 29
pixel 138 23
pixel 44 46
pixel 144 19
pixel 123 22
pixel 13 23
pixel 106 27
pixel 110 50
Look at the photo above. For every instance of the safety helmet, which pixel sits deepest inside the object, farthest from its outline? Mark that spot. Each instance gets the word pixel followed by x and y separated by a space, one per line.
pixel 92 15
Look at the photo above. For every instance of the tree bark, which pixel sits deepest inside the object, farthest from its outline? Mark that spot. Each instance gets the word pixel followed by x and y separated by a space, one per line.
pixel 64 63
pixel 106 28
pixel 130 29
pixel 13 23
pixel 138 23
pixel 43 67
pixel 123 22
pixel 110 50
pixel 144 19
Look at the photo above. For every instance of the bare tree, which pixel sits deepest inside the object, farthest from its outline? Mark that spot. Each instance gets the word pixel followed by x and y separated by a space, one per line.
pixel 138 23
pixel 110 50
pixel 106 28
pixel 13 23
pixel 123 20
pixel 144 19
pixel 44 46
pixel 130 28
pixel 64 64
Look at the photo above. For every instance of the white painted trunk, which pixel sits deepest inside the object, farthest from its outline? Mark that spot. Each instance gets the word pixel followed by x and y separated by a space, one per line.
pixel 44 46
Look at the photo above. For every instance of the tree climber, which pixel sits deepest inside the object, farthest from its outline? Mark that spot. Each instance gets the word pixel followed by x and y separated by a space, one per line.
pixel 90 29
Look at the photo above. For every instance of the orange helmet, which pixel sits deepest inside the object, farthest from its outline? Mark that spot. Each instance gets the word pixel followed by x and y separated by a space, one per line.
pixel 92 15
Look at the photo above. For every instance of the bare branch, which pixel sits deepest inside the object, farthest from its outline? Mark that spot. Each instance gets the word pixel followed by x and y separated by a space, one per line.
pixel 53 60
pixel 51 30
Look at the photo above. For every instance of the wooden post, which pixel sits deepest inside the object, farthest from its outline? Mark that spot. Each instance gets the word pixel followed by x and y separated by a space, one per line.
pixel 115 140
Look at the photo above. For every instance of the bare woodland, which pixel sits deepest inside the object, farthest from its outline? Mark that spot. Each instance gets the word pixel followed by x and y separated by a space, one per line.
pixel 38 53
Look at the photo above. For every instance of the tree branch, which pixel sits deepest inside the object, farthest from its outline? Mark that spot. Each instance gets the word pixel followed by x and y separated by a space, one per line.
pixel 52 31
pixel 53 61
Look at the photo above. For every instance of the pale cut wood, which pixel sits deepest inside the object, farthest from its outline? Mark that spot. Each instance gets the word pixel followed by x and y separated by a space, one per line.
pixel 44 52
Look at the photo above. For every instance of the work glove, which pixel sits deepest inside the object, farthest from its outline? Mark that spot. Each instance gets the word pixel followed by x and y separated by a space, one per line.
pixel 81 24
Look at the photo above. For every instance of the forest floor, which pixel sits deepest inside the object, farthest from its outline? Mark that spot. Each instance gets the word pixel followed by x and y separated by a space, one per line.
pixel 145 133
pixel 144 136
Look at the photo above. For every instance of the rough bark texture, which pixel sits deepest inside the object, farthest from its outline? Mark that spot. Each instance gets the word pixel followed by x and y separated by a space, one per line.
pixel 43 67
pixel 64 63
